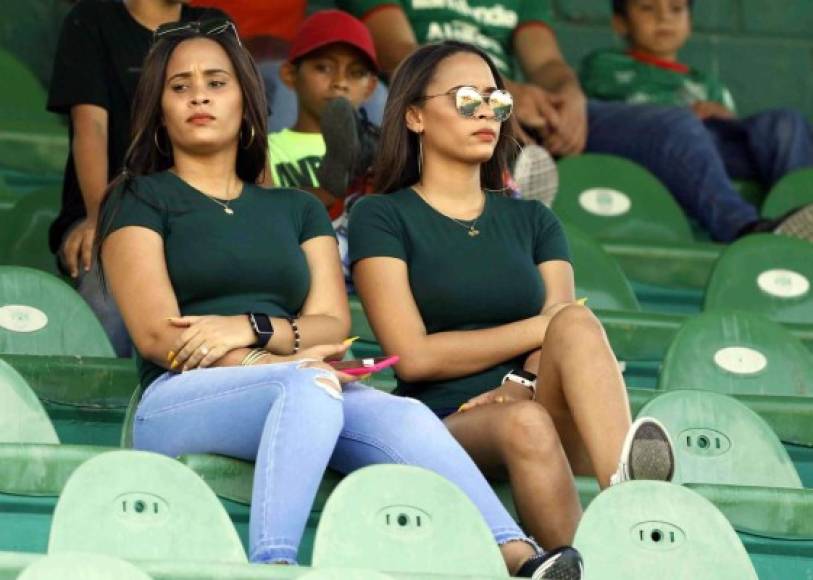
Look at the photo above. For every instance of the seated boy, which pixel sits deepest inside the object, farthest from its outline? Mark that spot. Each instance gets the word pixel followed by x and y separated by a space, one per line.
pixel 332 68
pixel 764 147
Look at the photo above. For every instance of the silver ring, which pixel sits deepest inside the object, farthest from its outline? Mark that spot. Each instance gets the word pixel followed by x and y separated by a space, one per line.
pixel 203 350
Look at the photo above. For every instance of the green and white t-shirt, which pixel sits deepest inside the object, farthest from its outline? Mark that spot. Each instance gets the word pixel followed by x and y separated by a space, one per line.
pixel 616 75
pixel 295 157
pixel 488 24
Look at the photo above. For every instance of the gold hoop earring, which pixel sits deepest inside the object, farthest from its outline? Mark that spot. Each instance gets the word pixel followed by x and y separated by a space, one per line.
pixel 251 137
pixel 157 146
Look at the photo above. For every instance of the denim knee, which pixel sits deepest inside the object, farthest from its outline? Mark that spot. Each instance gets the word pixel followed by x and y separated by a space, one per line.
pixel 782 125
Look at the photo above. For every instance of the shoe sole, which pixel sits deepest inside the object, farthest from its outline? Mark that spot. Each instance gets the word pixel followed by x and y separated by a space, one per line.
pixel 798 224
pixel 565 565
pixel 649 451
pixel 338 125
pixel 536 175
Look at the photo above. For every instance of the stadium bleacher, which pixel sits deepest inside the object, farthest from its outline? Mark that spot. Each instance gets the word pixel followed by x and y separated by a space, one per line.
pixel 715 342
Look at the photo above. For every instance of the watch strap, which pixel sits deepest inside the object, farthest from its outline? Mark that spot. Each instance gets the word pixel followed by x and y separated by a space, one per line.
pixel 262 327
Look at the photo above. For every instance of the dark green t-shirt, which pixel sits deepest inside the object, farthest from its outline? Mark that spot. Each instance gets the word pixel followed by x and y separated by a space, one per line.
pixel 461 282
pixel 487 24
pixel 225 264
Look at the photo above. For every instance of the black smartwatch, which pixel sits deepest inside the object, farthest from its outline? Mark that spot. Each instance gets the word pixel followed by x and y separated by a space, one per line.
pixel 262 327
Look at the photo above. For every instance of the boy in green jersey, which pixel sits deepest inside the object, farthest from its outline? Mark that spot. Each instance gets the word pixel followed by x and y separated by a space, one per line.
pixel 763 147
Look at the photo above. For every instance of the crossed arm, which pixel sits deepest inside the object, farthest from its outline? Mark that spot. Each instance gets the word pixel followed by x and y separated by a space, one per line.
pixel 137 276
pixel 383 286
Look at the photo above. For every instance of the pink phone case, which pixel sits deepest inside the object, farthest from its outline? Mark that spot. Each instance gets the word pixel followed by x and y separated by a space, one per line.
pixel 375 365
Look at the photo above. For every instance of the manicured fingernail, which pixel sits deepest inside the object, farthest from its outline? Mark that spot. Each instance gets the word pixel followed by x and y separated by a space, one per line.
pixel 173 364
pixel 581 301
pixel 365 377
pixel 170 355
pixel 349 341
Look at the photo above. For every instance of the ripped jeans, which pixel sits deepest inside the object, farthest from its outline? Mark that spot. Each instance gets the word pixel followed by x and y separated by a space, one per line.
pixel 286 419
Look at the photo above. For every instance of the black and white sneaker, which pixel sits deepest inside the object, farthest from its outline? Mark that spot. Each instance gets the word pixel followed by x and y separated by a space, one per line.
pixel 536 175
pixel 647 453
pixel 350 146
pixel 797 224
pixel 564 563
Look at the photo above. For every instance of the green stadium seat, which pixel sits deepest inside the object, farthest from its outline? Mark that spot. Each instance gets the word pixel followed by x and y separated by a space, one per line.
pixel 33 140
pixel 139 505
pixel 598 276
pixel 719 440
pixel 649 529
pixel 344 574
pixel 765 273
pixel 792 191
pixel 740 353
pixel 616 199
pixel 80 566
pixel 22 418
pixel 396 518
pixel 40 314
pixel 24 237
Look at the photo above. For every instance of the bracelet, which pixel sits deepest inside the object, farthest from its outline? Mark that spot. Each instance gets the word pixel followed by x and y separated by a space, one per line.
pixel 253 357
pixel 297 336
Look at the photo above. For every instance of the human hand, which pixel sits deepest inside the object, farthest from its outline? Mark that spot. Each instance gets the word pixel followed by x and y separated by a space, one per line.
pixel 570 137
pixel 207 338
pixel 711 110
pixel 508 392
pixel 533 110
pixel 315 356
pixel 77 251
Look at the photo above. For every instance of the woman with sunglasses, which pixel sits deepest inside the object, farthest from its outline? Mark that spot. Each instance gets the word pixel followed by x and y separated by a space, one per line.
pixel 474 290
pixel 234 296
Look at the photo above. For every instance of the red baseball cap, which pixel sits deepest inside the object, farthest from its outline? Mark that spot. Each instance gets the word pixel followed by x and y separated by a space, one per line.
pixel 328 27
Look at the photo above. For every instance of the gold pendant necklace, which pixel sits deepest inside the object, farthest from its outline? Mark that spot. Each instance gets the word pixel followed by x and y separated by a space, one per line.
pixel 471 228
pixel 225 205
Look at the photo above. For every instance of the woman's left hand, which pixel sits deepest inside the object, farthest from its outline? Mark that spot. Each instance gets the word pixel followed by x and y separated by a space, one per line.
pixel 505 393
pixel 207 339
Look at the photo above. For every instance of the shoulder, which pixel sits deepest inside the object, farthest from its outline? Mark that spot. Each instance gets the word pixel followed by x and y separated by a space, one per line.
pixel 203 13
pixel 388 204
pixel 607 57
pixel 92 12
pixel 524 210
pixel 296 200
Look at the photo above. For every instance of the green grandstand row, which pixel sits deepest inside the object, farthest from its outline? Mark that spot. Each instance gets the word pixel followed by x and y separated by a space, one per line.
pixel 725 453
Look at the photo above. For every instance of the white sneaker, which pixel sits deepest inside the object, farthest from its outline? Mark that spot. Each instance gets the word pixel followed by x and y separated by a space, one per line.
pixel 536 175
pixel 647 453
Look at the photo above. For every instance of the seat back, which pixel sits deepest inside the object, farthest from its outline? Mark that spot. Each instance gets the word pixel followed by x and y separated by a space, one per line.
pixel 80 566
pixel 765 273
pixel 792 191
pixel 402 519
pixel 598 276
pixel 40 314
pixel 142 506
pixel 22 418
pixel 737 353
pixel 615 199
pixel 719 440
pixel 24 237
pixel 641 530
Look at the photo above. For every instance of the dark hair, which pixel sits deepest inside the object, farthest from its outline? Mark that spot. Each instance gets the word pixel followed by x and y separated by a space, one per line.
pixel 396 164
pixel 620 6
pixel 150 150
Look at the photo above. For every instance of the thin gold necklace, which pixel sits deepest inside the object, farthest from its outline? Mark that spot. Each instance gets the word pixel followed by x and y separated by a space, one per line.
pixel 472 227
pixel 225 205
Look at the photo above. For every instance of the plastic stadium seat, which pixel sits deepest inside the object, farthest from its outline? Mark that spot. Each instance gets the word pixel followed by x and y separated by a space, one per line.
pixel 615 199
pixel 738 353
pixel 22 418
pixel 598 276
pixel 344 574
pixel 765 273
pixel 642 530
pixel 24 231
pixel 40 314
pixel 79 566
pixel 144 506
pixel 719 440
pixel 396 518
pixel 792 191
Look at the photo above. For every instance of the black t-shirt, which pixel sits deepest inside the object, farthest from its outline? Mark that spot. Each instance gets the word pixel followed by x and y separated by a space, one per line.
pixel 98 62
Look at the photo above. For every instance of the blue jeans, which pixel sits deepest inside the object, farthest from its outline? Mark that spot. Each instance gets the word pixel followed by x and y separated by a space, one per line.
pixel 293 426
pixel 693 159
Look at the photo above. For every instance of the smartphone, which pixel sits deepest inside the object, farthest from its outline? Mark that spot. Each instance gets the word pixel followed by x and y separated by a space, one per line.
pixel 364 366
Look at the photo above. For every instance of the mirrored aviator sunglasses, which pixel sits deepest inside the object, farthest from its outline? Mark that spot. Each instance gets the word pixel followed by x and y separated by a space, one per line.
pixel 468 100
pixel 211 27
